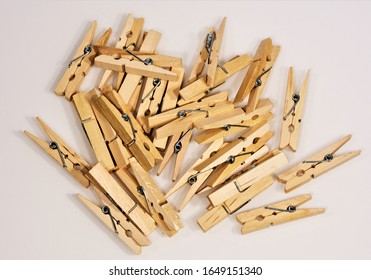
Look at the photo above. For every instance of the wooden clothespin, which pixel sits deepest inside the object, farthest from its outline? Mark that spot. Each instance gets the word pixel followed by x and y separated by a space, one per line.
pixel 292 113
pixel 245 178
pixel 218 213
pixel 120 154
pixel 128 38
pixel 235 118
pixel 257 74
pixel 227 124
pixel 199 88
pixel 187 119
pixel 92 130
pixel 144 67
pixel 150 59
pixel 62 154
pixel 170 115
pixel 245 150
pixel 235 147
pixel 118 196
pixel 209 55
pixel 150 103
pixel 193 177
pixel 117 222
pixel 129 89
pixel 128 129
pixel 118 102
pixel 236 163
pixel 275 214
pixel 133 187
pixel 80 64
pixel 177 146
pixel 169 101
pixel 316 165
pixel 159 205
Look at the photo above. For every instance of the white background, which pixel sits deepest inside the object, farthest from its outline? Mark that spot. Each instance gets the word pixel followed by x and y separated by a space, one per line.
pixel 41 217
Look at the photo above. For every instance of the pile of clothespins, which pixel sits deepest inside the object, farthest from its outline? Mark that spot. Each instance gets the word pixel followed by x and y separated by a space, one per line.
pixel 144 111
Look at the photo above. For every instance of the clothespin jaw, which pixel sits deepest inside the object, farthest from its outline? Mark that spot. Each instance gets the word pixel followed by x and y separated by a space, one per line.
pixel 129 131
pixel 130 32
pixel 156 198
pixel 117 222
pixel 292 114
pixel 80 64
pixel 278 213
pixel 218 213
pixel 316 165
pixel 62 154
pixel 257 74
pixel 252 174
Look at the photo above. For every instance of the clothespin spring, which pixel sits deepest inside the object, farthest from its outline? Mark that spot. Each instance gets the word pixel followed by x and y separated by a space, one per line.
pixel 178 145
pixel 183 113
pixel 147 61
pixel 231 159
pixel 107 211
pixel 210 38
pixel 296 99
pixel 87 50
pixel 156 83
pixel 142 192
pixel 193 178
pixel 210 89
pixel 258 81
pixel 327 158
pixel 127 119
pixel 228 126
pixel 290 209
pixel 54 146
